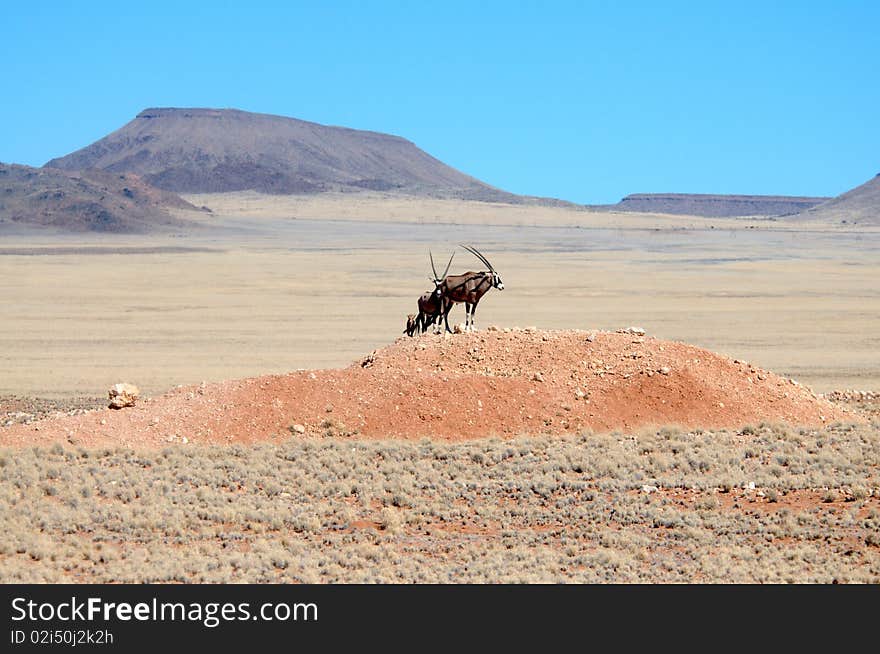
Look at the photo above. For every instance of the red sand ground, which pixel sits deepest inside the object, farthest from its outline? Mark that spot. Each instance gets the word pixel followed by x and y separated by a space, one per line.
pixel 493 383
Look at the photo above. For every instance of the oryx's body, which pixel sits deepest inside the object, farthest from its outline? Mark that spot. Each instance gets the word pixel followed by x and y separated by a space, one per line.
pixel 467 289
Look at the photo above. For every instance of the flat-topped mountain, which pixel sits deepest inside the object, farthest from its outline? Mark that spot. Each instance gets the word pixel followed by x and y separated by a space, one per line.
pixel 860 205
pixel 716 206
pixel 91 200
pixel 221 150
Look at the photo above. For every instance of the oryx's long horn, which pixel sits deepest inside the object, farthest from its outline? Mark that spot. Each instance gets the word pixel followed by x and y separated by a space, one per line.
pixel 477 254
pixel 446 272
pixel 484 259
pixel 432 265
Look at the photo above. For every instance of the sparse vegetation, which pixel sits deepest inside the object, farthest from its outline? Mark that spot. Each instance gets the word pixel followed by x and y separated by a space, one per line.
pixel 654 506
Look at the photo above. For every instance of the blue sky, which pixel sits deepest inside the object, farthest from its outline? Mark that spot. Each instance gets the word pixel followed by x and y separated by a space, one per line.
pixel 585 101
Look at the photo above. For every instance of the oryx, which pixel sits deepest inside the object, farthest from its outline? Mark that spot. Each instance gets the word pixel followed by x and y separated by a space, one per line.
pixel 431 304
pixel 468 288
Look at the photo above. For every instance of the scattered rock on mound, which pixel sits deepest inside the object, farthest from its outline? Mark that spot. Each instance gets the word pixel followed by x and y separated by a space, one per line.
pixel 123 395
pixel 496 383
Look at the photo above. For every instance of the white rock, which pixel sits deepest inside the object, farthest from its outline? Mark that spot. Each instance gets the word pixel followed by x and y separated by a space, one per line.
pixel 123 395
pixel 299 429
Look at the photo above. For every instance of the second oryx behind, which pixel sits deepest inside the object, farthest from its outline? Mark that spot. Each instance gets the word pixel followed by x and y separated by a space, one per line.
pixel 431 304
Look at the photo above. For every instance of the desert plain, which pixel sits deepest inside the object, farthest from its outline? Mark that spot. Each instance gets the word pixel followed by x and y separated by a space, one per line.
pixel 317 282
pixel 274 286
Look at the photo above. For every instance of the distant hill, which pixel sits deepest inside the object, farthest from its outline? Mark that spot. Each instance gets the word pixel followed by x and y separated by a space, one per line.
pixel 88 201
pixel 861 205
pixel 715 206
pixel 222 150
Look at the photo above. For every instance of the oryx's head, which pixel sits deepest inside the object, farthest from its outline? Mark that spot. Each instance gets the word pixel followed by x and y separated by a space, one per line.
pixel 496 278
pixel 438 280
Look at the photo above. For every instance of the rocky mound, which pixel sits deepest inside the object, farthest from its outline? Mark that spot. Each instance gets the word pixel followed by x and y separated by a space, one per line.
pixel 223 150
pixel 90 200
pixel 493 383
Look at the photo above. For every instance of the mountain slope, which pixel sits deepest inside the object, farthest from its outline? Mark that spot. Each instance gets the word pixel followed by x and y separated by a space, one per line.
pixel 88 201
pixel 859 205
pixel 221 150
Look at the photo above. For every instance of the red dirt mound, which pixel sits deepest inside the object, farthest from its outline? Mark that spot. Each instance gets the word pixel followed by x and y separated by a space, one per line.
pixel 494 383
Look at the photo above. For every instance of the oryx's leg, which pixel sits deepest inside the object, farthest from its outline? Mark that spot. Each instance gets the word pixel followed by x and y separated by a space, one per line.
pixel 446 316
pixel 473 313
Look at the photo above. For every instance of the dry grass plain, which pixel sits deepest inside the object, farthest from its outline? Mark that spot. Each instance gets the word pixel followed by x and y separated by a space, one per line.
pixel 272 285
pixel 764 504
